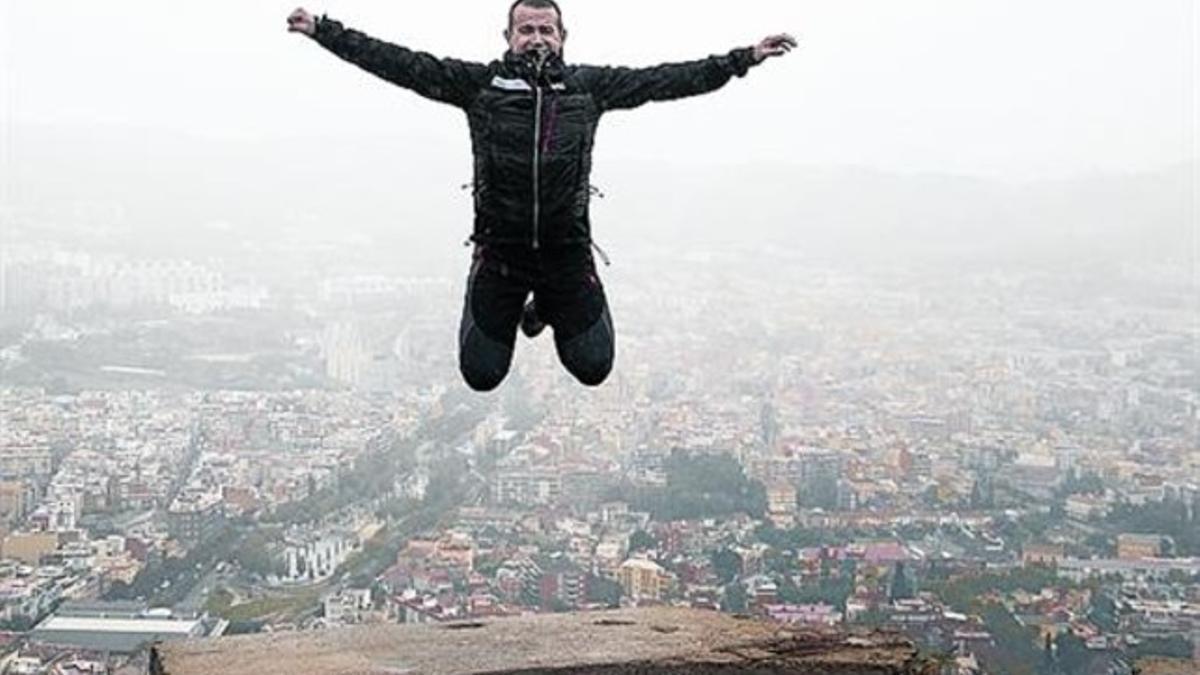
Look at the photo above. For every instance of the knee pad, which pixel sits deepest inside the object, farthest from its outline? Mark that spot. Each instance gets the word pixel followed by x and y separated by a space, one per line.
pixel 482 382
pixel 589 356
pixel 593 375
pixel 483 362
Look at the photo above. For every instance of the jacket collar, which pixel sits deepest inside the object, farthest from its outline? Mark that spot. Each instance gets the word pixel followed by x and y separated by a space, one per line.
pixel 522 66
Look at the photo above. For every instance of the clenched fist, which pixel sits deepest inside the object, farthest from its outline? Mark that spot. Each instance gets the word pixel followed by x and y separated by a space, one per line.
pixel 300 21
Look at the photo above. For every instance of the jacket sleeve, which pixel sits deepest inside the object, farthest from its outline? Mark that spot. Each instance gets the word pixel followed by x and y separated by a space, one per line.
pixel 623 88
pixel 446 80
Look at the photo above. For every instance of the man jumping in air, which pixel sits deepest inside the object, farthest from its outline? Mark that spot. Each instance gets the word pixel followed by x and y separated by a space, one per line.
pixel 533 121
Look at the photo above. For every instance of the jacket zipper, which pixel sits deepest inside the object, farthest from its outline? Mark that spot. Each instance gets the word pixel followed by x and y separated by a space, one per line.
pixel 537 152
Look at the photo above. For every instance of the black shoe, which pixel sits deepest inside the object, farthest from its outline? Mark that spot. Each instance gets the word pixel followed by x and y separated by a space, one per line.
pixel 531 325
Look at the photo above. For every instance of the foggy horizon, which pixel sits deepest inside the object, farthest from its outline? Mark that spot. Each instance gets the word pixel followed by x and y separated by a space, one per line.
pixel 981 89
pixel 171 122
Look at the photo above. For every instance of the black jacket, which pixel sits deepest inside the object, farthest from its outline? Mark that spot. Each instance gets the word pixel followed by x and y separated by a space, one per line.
pixel 532 129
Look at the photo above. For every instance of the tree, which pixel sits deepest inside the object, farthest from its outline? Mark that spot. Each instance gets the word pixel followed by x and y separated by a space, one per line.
pixel 1089 482
pixel 379 595
pixel 733 598
pixel 1017 651
pixel 244 627
pixel 1168 518
pixel 1174 647
pixel 702 486
pixel 848 568
pixel 776 562
pixel 902 586
pixel 607 591
pixel 254 555
pixel 642 541
pixel 18 624
pixel 1102 610
pixel 727 565
pixel 1100 545
pixel 796 538
pixel 963 593
pixel 1071 653
pixel 833 592
pixel 874 618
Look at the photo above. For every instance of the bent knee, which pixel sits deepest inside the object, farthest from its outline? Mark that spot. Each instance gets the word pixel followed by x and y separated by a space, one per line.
pixel 589 356
pixel 592 375
pixel 484 364
pixel 482 382
pixel 590 363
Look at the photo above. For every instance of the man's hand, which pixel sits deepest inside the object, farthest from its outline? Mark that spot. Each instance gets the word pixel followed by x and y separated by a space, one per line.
pixel 300 21
pixel 775 45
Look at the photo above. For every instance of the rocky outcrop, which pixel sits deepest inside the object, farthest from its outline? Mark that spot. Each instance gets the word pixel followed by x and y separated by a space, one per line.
pixel 641 641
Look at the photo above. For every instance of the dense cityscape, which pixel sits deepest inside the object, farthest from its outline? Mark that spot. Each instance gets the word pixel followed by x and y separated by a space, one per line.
pixel 1004 467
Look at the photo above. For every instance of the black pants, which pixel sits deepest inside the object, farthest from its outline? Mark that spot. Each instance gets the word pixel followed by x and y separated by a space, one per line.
pixel 567 294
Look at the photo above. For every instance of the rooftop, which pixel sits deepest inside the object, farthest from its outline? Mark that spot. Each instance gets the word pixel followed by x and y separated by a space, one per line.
pixel 117 625
pixel 659 640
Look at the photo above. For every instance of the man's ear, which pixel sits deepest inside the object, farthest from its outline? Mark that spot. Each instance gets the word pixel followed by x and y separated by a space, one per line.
pixel 564 37
pixel 505 33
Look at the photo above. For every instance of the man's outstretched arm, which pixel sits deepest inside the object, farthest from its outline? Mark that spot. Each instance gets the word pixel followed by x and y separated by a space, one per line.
pixel 622 88
pixel 447 80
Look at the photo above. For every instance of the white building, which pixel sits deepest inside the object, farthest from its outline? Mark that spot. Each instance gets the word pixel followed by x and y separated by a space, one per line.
pixel 348 606
pixel 313 559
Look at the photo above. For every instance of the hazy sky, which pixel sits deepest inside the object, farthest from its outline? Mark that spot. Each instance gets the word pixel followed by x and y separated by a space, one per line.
pixel 1011 88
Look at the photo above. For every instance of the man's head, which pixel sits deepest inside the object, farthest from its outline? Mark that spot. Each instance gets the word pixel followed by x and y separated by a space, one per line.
pixel 533 25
